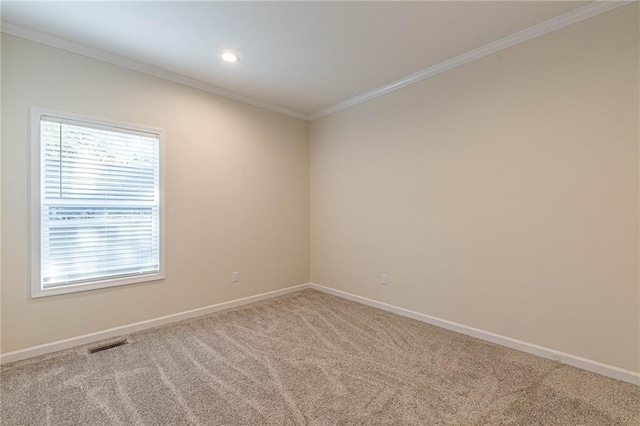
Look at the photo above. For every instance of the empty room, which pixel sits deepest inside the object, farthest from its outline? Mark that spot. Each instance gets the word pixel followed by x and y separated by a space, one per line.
pixel 320 213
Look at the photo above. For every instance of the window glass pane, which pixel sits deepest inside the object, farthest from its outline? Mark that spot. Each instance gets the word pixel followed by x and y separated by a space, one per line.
pixel 99 202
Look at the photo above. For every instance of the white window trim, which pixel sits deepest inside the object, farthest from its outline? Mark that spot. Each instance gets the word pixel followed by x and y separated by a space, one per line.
pixel 35 207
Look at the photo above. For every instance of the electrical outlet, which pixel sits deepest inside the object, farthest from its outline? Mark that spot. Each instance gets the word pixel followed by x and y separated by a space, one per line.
pixel 383 279
pixel 236 278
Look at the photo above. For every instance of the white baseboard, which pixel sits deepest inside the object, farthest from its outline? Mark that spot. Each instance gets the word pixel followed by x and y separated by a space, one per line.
pixel 574 361
pixel 143 325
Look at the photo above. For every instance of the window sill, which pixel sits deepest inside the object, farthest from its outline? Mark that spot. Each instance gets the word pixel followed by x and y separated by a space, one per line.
pixel 95 285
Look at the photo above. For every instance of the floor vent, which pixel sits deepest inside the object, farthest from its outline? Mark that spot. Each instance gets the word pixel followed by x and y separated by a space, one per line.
pixel 107 346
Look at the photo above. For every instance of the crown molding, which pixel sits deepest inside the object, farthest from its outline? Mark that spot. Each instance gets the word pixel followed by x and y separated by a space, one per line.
pixel 590 10
pixel 561 21
pixel 101 55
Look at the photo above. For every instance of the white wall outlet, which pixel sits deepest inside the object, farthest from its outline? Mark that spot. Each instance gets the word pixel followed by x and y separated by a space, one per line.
pixel 236 278
pixel 383 279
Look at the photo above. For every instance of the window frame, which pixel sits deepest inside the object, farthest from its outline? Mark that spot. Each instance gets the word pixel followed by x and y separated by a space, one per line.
pixel 35 206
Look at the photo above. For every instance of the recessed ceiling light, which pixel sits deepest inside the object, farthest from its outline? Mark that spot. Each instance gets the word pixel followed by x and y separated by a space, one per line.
pixel 230 57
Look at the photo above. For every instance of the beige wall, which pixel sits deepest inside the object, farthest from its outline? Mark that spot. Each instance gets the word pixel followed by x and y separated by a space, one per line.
pixel 237 193
pixel 502 194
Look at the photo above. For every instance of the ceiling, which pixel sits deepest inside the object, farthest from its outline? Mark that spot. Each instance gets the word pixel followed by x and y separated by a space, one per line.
pixel 302 56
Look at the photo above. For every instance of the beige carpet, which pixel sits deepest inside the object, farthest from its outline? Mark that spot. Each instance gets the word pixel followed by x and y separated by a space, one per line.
pixel 308 359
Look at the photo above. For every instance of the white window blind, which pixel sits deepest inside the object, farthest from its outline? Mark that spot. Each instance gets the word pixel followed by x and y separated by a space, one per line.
pixel 99 203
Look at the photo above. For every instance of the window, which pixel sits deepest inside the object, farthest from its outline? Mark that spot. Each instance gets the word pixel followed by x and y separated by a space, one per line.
pixel 96 203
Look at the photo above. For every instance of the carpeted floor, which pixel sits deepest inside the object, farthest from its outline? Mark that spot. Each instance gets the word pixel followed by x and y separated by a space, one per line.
pixel 308 359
